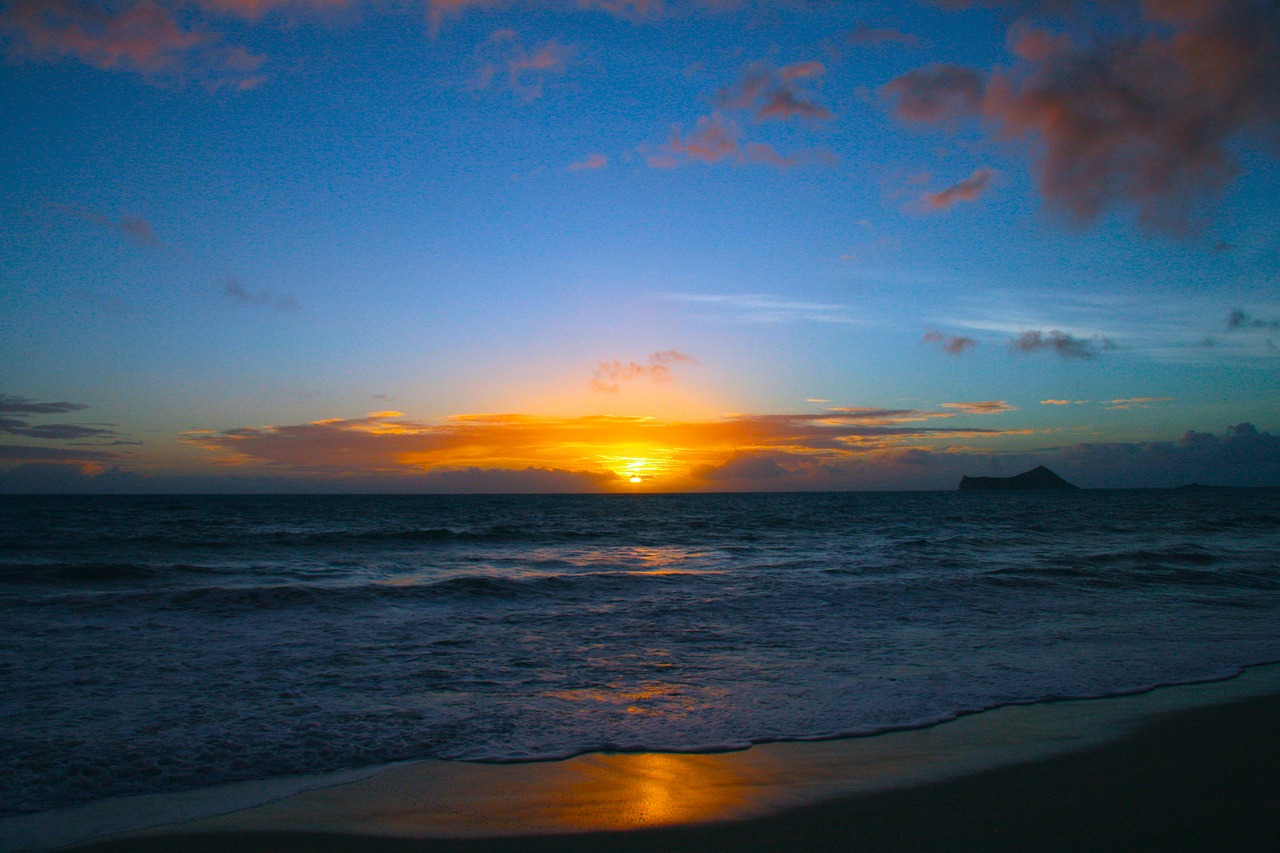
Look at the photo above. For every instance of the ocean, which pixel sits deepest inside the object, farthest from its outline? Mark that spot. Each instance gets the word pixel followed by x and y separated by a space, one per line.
pixel 154 644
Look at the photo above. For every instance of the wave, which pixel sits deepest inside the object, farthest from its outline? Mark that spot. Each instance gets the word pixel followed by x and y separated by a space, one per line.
pixel 1184 568
pixel 70 574
pixel 229 598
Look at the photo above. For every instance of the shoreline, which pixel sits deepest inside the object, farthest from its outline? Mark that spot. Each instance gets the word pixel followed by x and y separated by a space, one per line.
pixel 1166 786
pixel 1077 754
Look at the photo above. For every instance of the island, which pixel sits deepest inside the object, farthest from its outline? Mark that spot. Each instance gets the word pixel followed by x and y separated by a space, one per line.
pixel 1039 477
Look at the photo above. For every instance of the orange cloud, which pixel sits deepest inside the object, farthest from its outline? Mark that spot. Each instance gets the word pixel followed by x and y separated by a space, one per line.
pixel 1135 402
pixel 663 453
pixel 984 407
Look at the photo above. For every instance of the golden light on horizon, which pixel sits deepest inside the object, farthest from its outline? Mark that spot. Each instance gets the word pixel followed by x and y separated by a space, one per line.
pixel 637 469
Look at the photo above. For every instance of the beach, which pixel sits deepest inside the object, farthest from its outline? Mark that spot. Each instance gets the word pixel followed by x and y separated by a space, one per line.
pixel 1193 767
pixel 677 672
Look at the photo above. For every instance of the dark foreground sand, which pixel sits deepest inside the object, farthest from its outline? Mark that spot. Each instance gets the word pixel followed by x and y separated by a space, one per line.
pixel 1200 779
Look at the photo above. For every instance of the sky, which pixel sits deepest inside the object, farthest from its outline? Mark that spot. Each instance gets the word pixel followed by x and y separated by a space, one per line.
pixel 637 245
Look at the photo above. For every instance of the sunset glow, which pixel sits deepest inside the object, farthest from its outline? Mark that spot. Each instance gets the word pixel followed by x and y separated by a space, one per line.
pixel 583 246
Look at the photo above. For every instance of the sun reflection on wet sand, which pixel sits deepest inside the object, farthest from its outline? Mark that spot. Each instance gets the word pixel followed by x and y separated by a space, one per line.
pixel 651 789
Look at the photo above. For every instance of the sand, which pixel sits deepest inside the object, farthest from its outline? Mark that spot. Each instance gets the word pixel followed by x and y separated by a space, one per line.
pixel 1184 768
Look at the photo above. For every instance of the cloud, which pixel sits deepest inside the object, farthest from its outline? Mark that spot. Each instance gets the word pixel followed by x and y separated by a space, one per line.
pixel 766 93
pixel 716 139
pixel 937 94
pixel 1144 118
pixel 1135 402
pixel 629 9
pixel 1061 402
pixel 22 405
pixel 712 140
pixel 526 72
pixel 137 229
pixel 524 69
pixel 766 309
pixel 15 419
pixel 967 190
pixel 953 344
pixel 590 163
pixel 984 407
pixel 142 37
pixel 253 10
pixel 864 36
pixel 391 446
pixel 58 432
pixel 773 93
pixel 234 288
pixel 841 448
pixel 438 10
pixel 1062 343
pixel 1243 455
pixel 95 478
pixel 1238 320
pixel 609 376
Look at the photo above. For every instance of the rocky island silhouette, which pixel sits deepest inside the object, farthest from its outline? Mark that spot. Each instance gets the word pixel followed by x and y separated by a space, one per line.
pixel 1039 477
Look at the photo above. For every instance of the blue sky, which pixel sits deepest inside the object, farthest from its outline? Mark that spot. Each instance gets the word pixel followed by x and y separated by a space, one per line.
pixel 610 245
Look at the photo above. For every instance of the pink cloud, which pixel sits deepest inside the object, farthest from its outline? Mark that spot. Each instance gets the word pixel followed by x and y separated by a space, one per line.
pixel 938 94
pixel 715 139
pixel 773 93
pixel 590 163
pixel 438 10
pixel 525 70
pixel 610 376
pixel 142 37
pixel 1144 120
pixel 254 9
pixel 967 190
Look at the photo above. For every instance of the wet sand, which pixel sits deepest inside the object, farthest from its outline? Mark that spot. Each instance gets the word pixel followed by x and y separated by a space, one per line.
pixel 1111 774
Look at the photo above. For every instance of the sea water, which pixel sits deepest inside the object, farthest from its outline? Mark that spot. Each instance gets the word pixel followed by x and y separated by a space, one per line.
pixel 152 644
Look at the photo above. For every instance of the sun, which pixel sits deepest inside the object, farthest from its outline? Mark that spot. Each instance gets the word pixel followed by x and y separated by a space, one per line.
pixel 636 469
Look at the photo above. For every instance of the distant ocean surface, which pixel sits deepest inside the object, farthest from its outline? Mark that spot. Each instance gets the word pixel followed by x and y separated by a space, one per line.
pixel 161 643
